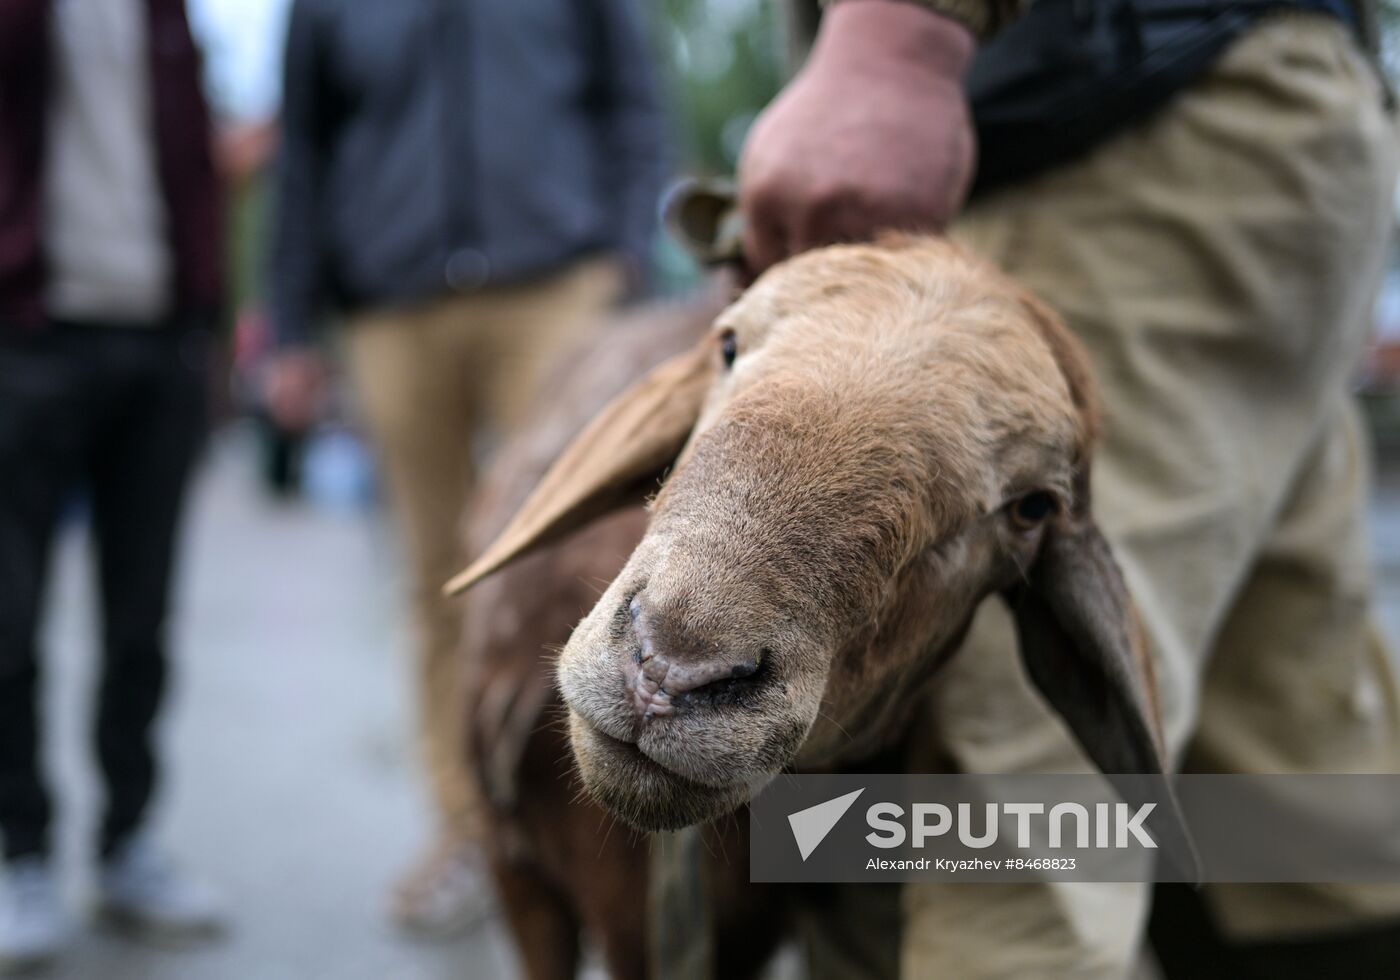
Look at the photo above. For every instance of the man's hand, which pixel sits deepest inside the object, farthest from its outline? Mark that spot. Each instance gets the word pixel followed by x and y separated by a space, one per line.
pixel 873 133
pixel 295 388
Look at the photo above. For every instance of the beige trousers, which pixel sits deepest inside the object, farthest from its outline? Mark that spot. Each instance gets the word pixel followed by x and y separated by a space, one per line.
pixel 1219 262
pixel 432 381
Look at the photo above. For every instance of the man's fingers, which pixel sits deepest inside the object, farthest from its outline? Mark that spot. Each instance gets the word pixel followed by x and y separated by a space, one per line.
pixel 761 250
pixel 836 216
pixel 295 385
pixel 765 235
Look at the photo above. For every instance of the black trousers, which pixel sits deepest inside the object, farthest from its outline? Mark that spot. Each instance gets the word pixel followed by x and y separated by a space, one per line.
pixel 120 411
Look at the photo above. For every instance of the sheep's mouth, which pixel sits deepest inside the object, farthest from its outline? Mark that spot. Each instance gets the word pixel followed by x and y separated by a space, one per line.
pixel 641 791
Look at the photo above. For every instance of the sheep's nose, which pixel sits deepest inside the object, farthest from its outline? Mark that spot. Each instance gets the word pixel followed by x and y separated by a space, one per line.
pixel 669 663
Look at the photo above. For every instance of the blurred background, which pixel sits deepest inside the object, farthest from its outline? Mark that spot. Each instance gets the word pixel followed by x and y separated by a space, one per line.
pixel 292 780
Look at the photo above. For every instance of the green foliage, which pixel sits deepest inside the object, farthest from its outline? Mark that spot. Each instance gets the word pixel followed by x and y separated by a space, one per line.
pixel 722 65
pixel 721 62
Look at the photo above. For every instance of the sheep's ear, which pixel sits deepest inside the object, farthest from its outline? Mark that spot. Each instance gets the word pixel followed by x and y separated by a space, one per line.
pixel 1084 650
pixel 613 462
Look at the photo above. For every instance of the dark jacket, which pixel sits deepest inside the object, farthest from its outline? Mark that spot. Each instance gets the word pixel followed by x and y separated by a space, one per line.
pixel 438 145
pixel 183 151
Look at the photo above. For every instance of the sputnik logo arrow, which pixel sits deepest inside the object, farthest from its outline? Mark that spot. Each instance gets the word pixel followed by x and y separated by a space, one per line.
pixel 810 826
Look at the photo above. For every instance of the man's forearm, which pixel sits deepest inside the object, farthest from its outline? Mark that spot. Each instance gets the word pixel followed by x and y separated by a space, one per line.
pixel 297 258
pixel 982 17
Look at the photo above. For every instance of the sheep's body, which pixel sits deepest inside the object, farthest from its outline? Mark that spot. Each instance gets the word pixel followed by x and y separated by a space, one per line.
pixel 560 862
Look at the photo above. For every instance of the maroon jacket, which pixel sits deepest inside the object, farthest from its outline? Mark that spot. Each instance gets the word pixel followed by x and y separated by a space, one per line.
pixel 183 149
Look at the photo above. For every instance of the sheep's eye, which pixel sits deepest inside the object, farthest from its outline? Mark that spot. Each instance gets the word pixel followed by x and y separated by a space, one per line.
pixel 728 347
pixel 1032 509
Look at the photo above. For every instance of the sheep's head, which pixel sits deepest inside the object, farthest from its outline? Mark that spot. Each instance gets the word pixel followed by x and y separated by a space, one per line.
pixel 871 441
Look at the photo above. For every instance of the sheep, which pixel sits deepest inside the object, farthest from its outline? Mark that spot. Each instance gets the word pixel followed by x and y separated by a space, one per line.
pixel 870 442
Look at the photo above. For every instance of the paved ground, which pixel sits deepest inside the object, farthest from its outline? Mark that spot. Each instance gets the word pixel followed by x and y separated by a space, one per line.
pixel 292 779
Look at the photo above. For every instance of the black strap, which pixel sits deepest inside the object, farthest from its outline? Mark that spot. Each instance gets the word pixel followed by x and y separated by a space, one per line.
pixel 1071 73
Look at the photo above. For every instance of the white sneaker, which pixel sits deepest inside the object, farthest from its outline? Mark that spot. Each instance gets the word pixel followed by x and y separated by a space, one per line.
pixel 33 924
pixel 140 891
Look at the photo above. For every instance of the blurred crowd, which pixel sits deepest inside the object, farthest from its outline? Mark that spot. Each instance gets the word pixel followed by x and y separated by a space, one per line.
pixel 452 190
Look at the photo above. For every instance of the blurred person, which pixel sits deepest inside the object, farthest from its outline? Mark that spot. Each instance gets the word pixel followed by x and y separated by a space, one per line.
pixel 110 259
pixel 244 149
pixel 467 183
pixel 1215 238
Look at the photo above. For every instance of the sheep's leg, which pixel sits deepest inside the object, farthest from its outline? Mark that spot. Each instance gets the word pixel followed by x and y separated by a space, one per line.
pixel 623 949
pixel 612 897
pixel 543 923
pixel 751 921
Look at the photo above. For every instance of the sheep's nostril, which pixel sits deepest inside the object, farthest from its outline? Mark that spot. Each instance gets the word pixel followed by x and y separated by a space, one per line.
pixel 672 666
pixel 747 668
pixel 661 685
pixel 645 647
